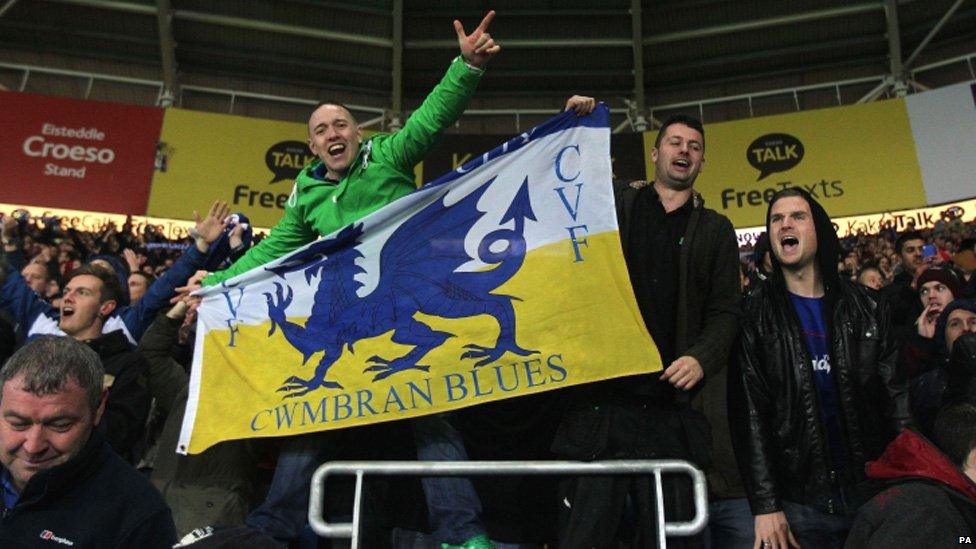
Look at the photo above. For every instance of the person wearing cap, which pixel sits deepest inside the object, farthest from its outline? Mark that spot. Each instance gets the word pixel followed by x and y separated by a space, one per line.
pixel 953 378
pixel 920 353
pixel 957 330
pixel 947 375
pixel 937 286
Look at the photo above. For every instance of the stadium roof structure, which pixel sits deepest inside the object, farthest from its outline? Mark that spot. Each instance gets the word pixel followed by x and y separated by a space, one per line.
pixel 719 59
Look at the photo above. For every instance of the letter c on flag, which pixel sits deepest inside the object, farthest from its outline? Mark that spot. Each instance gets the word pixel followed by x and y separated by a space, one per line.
pixel 559 161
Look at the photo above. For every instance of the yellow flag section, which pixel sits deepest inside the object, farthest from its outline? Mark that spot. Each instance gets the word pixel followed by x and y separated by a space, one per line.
pixel 249 163
pixel 503 278
pixel 581 343
pixel 853 160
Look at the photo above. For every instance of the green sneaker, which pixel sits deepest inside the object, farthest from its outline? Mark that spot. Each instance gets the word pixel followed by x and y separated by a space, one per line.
pixel 478 542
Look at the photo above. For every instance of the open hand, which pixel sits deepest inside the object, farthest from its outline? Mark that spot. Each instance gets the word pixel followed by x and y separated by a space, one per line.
pixel 209 227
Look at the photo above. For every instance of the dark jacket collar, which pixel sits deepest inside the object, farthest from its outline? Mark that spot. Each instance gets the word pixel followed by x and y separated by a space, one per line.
pixel 697 201
pixel 110 344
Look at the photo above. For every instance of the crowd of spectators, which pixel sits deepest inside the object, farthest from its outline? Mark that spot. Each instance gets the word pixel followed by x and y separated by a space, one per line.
pixel 927 275
pixel 54 250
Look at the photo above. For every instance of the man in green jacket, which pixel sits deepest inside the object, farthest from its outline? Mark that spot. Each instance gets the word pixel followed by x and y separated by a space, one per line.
pixel 352 178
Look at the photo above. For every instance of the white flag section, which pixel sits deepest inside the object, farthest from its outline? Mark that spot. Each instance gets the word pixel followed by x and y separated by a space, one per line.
pixel 502 278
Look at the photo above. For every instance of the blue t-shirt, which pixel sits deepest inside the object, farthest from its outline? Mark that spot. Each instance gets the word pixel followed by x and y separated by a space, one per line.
pixel 7 490
pixel 810 312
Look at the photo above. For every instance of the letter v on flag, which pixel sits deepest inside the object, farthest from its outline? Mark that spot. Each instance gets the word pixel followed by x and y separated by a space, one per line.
pixel 502 278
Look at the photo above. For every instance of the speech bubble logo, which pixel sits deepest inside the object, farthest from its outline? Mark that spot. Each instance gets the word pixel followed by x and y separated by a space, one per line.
pixel 774 152
pixel 953 212
pixel 286 159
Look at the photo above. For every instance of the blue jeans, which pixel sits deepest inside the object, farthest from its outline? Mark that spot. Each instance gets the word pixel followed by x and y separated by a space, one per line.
pixel 454 508
pixel 814 528
pixel 730 524
pixel 284 511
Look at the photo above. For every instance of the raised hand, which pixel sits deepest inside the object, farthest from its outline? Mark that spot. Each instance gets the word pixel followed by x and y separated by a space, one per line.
pixel 131 259
pixel 478 47
pixel 209 227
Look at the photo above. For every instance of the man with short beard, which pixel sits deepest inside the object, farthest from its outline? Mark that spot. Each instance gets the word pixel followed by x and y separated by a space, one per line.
pixel 684 267
pixel 820 393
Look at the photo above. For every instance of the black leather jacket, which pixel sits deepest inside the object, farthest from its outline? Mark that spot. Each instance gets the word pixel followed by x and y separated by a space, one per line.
pixel 780 439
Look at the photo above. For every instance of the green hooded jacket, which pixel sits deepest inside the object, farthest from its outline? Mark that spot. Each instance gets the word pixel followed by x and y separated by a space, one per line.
pixel 381 173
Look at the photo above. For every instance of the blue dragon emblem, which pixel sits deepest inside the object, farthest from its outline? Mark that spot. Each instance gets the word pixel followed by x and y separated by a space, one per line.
pixel 418 273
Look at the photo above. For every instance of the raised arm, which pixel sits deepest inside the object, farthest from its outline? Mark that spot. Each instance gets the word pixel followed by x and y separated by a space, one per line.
pixel 447 101
pixel 138 317
pixel 288 235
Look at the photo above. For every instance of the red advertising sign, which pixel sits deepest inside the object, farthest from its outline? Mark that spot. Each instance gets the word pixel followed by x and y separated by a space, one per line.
pixel 68 153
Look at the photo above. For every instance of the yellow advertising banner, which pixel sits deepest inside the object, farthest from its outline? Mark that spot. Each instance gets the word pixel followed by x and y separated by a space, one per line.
pixel 247 162
pixel 854 160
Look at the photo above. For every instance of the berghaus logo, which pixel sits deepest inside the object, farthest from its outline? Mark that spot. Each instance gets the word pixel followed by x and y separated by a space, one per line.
pixel 50 536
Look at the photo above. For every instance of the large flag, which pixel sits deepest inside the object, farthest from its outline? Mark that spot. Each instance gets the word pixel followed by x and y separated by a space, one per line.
pixel 502 278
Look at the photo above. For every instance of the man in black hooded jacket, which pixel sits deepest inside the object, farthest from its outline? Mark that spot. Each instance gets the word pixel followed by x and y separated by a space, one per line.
pixel 820 393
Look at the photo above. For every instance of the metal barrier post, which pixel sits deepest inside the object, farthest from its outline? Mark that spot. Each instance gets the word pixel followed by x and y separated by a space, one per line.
pixel 486 468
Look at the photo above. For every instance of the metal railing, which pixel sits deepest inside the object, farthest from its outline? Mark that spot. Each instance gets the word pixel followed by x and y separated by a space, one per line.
pixel 359 469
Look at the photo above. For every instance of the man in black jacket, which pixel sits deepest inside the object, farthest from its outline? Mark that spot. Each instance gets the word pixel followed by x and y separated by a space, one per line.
pixel 821 391
pixel 90 295
pixel 60 482
pixel 684 268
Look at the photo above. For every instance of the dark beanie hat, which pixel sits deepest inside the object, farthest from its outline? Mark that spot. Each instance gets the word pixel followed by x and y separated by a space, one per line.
pixel 940 325
pixel 943 275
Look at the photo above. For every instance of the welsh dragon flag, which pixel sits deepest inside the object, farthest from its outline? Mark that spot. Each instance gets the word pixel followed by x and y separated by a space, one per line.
pixel 504 277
